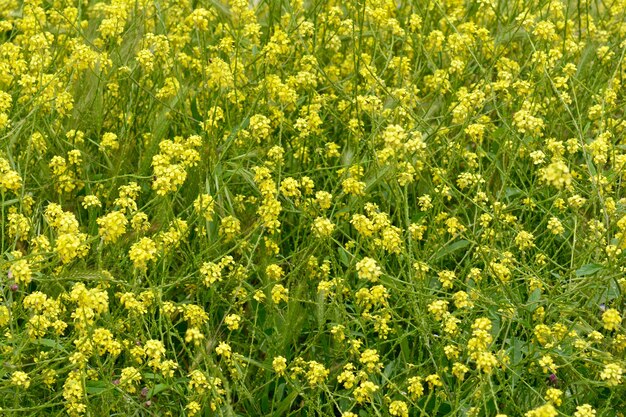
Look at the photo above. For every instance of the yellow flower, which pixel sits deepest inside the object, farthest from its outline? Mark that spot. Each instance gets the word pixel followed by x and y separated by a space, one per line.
pixel 230 227
pixel 129 379
pixel 433 381
pixel 5 316
pixel 21 272
pixel 223 349
pixel 143 252
pixel 546 410
pixel 322 227
pixel 438 308
pixel 18 226
pixel 198 381
pixel 204 205
pixel 547 364
pixel 446 278
pixel 459 370
pixel 554 395
pixel 10 180
pixel 112 226
pixel 612 374
pixel 91 201
pixel 585 410
pixel 399 408
pixel 524 240
pixel 20 379
pixel 347 376
pixel 193 408
pixel 279 364
pixel 485 361
pixel 611 319
pixel 280 293
pixel 193 334
pixel 109 142
pixel 233 321
pixel 317 373
pixel 555 226
pixel 368 269
pixel 556 174
pixel 370 359
pixel 365 391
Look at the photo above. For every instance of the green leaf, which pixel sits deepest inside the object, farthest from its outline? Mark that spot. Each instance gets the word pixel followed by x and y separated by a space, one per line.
pixel 611 293
pixel 389 369
pixel 512 192
pixel 285 404
pixel 50 343
pixel 518 351
pixel 588 269
pixel 97 387
pixel 447 250
pixel 533 298
pixel 344 257
pixel 157 389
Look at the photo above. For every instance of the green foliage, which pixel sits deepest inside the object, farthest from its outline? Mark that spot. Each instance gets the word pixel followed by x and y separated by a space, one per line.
pixel 294 208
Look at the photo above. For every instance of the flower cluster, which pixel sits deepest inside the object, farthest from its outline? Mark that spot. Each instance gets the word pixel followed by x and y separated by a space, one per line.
pixel 312 208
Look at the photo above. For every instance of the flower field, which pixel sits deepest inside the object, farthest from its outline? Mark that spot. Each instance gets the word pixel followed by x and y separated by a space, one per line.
pixel 313 208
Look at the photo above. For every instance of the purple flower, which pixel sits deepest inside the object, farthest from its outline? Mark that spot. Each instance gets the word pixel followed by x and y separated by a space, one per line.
pixel 553 380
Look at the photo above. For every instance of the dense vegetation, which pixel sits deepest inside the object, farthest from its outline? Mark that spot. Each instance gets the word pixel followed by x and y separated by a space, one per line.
pixel 298 208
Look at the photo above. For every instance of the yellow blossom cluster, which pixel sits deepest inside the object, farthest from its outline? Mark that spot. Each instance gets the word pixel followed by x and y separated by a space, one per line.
pixel 246 207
